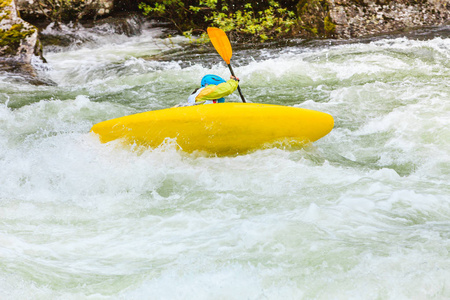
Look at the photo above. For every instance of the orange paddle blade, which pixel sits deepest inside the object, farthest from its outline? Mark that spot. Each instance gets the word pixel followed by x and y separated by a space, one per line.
pixel 221 42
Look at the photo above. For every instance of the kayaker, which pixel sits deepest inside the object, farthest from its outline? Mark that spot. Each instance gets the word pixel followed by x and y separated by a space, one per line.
pixel 213 90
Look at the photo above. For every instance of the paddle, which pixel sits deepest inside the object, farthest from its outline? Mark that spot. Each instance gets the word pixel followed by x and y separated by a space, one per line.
pixel 222 44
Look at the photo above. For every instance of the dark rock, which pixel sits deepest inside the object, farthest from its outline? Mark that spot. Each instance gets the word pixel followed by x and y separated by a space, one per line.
pixel 127 24
pixel 20 72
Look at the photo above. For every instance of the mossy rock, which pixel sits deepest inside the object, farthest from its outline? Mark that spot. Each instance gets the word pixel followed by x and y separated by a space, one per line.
pixel 10 39
pixel 315 18
pixel 18 43
pixel 5 3
pixel 4 13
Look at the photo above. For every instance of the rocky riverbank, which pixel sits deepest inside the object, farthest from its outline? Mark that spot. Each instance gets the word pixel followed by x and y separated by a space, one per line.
pixel 362 18
pixel 344 19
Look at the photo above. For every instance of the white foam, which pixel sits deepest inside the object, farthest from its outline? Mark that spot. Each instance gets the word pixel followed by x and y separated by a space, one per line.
pixel 363 213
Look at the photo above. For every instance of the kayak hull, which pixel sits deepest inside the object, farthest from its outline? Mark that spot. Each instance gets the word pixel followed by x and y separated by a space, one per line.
pixel 222 129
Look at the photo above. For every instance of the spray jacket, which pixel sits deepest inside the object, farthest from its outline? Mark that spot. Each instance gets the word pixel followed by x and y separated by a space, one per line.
pixel 213 93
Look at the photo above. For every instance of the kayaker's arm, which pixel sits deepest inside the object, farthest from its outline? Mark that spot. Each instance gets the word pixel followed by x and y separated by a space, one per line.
pixel 213 92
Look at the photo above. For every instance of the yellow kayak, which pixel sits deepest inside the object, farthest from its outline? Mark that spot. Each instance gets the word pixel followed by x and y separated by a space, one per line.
pixel 222 129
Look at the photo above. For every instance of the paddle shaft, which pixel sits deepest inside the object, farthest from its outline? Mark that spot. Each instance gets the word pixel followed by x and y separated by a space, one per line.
pixel 239 88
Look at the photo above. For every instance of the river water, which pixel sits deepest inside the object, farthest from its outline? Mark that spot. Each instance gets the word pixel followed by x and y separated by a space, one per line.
pixel 363 213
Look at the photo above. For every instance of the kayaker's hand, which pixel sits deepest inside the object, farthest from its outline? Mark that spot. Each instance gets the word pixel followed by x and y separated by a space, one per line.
pixel 234 77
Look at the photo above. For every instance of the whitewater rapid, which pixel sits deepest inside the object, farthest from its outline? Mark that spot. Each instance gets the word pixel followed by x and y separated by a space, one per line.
pixel 363 213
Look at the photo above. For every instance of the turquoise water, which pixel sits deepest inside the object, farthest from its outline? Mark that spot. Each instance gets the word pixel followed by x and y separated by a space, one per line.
pixel 363 213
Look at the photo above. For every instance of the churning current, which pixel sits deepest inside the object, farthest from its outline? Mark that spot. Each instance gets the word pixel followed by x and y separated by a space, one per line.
pixel 363 213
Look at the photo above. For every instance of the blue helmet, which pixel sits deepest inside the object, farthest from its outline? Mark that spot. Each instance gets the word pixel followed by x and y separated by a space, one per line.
pixel 211 79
